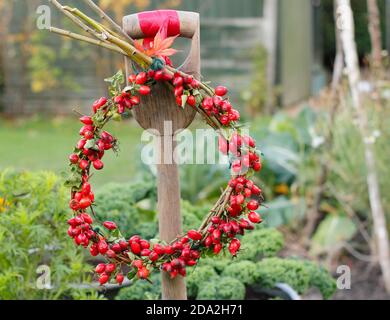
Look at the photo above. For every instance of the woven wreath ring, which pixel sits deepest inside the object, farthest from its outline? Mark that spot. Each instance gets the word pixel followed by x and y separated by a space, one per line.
pixel 233 213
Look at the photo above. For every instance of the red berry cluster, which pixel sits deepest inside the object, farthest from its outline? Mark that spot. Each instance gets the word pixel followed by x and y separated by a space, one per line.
pixel 105 271
pixel 80 229
pixel 220 107
pixel 129 99
pixel 235 213
pixel 224 230
pixel 126 101
pixel 242 149
pixel 99 104
pixel 182 84
pixel 241 201
pixel 186 255
pixel 90 150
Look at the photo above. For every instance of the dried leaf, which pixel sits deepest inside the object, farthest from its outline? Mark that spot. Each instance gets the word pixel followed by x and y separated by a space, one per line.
pixel 167 52
pixel 157 40
pixel 168 42
pixel 160 46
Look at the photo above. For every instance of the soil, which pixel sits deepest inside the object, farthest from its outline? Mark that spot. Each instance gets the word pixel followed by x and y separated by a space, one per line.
pixel 363 287
pixel 366 284
pixel 366 277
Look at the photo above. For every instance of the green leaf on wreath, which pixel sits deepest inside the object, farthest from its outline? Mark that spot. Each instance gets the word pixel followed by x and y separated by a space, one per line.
pixel 98 118
pixel 127 89
pixel 154 241
pixel 73 181
pixel 184 99
pixel 90 144
pixel 116 116
pixel 132 274
pixel 132 256
pixel 114 235
pixel 116 82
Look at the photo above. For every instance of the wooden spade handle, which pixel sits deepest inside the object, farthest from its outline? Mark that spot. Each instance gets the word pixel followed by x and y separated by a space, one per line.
pixel 161 105
pixel 189 25
pixel 153 112
pixel 170 223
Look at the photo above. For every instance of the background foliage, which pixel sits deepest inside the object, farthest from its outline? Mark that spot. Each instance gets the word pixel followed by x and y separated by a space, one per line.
pixel 33 233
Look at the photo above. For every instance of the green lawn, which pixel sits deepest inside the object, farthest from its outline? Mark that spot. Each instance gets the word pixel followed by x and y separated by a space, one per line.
pixel 44 144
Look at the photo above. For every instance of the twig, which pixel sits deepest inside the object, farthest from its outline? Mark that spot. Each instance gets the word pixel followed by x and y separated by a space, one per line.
pixel 80 37
pixel 137 56
pixel 96 285
pixel 351 214
pixel 93 23
pixel 75 19
pixel 357 254
pixel 77 112
pixel 79 15
pixel 229 191
pixel 104 16
pixel 224 198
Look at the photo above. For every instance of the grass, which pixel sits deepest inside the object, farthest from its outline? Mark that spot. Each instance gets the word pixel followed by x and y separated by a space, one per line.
pixel 44 144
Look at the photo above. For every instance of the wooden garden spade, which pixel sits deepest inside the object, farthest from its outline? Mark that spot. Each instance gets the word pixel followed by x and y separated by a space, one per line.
pixel 160 114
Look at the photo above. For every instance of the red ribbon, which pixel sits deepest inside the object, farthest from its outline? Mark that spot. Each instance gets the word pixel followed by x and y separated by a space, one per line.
pixel 166 20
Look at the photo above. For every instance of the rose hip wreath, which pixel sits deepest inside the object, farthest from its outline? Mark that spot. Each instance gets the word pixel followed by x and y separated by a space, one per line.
pixel 233 213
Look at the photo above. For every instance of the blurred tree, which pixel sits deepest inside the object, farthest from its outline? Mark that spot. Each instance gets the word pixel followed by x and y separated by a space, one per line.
pixel 345 25
pixel 256 93
pixel 362 35
pixel 119 7
pixel 6 46
pixel 4 17
pixel 375 33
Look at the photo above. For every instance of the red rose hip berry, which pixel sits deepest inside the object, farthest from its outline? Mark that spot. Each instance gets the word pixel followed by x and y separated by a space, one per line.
pixel 254 217
pixel 144 90
pixel 119 278
pixel 221 91
pixel 84 164
pixel 74 204
pixel 74 158
pixel 191 101
pixel 98 164
pixel 100 268
pixel 194 235
pixel 86 120
pixel 85 203
pixel 135 248
pixel 110 268
pixel 143 273
pixel 153 256
pixel 102 247
pixel 109 225
pixel 141 78
pixel 103 278
pixel 252 205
